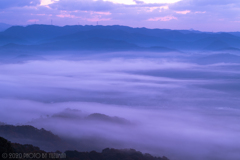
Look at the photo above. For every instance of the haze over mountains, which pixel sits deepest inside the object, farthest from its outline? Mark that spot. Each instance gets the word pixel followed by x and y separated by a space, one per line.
pixel 164 92
pixel 114 38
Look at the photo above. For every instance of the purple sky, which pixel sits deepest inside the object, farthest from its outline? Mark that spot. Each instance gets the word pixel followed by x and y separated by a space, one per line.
pixel 204 15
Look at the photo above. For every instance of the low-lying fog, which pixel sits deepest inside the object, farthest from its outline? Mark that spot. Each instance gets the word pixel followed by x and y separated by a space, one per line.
pixel 175 107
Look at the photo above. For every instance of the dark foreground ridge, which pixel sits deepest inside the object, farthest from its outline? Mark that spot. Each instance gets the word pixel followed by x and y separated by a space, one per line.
pixel 55 147
pixel 17 151
pixel 29 135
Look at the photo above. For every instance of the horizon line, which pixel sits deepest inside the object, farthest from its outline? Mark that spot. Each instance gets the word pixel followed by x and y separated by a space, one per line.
pixel 122 26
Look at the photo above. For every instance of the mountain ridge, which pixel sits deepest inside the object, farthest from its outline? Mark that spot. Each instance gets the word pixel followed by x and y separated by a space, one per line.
pixel 113 38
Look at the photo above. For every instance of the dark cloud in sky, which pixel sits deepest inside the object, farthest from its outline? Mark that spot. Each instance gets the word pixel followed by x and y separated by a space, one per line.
pixel 18 3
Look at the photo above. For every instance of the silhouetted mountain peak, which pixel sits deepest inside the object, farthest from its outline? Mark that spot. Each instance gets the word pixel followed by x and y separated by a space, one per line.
pixel 69 114
pixel 105 118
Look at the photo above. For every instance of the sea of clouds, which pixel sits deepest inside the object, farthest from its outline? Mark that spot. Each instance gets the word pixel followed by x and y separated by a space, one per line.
pixel 172 106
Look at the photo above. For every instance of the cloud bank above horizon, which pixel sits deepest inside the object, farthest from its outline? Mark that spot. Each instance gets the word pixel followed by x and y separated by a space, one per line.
pixel 173 14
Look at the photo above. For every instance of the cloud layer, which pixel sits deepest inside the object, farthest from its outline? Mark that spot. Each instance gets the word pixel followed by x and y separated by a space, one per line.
pixel 175 108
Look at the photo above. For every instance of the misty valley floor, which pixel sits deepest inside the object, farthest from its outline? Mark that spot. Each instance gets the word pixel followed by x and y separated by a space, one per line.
pixel 160 105
pixel 163 92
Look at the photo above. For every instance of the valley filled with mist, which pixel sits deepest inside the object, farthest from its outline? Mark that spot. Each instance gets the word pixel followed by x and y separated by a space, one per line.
pixel 172 93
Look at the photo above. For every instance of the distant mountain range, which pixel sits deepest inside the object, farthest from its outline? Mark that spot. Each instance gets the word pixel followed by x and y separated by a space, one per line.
pixel 114 38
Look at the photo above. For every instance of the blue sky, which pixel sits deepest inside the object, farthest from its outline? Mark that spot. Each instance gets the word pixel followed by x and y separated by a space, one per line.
pixel 204 15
